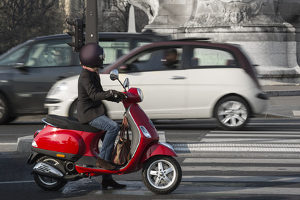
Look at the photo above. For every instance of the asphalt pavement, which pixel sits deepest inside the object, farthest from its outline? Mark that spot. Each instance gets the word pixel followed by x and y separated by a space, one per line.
pixel 260 162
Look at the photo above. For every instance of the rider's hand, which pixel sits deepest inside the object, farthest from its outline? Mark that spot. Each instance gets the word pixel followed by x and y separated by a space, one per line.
pixel 117 96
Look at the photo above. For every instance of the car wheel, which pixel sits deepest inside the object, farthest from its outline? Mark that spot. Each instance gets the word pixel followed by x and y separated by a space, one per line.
pixel 73 110
pixel 232 113
pixel 4 110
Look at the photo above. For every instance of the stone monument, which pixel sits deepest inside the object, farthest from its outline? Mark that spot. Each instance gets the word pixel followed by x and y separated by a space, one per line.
pixel 270 38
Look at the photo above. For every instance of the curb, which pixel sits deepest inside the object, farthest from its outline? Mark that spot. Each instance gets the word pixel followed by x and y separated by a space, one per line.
pixel 24 144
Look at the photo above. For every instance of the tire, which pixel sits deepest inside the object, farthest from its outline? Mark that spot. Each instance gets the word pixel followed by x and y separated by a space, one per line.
pixel 48 183
pixel 232 113
pixel 73 110
pixel 4 110
pixel 168 181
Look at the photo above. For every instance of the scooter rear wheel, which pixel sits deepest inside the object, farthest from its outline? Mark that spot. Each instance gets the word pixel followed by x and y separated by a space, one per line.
pixel 162 174
pixel 48 183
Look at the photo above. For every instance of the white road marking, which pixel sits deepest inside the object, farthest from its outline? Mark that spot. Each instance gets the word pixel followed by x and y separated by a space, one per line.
pixel 235 149
pixel 238 147
pixel 240 168
pixel 15 182
pixel 296 113
pixel 249 190
pixel 241 160
pixel 12 143
pixel 251 135
pixel 285 179
pixel 261 140
pixel 162 136
pixel 256 132
pixel 274 124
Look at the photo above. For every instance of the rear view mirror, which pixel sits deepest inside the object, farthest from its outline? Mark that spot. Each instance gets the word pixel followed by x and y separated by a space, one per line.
pixel 21 67
pixel 114 75
pixel 126 83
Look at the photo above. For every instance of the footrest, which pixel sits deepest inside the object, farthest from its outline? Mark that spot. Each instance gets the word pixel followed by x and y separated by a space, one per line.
pixel 89 161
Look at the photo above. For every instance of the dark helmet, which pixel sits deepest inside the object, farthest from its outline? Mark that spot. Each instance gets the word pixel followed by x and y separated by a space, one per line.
pixel 91 55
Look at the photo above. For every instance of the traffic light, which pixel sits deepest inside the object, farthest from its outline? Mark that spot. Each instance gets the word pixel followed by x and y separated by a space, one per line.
pixel 77 34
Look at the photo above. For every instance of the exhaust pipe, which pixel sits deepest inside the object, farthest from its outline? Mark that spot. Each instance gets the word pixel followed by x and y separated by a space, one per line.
pixel 47 170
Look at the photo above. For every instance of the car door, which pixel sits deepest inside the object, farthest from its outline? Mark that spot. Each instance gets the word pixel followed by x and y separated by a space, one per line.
pixel 210 71
pixel 164 87
pixel 46 62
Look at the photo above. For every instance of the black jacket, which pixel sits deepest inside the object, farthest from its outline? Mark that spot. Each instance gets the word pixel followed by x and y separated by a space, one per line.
pixel 90 96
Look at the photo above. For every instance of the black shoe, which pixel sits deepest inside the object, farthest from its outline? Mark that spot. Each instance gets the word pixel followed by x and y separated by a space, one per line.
pixel 111 183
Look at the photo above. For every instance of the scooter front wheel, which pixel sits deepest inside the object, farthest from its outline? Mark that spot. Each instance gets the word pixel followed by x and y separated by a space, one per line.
pixel 162 174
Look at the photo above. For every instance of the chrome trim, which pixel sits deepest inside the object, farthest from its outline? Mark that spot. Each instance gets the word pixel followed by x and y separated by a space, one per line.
pixel 44 120
pixel 44 168
pixel 137 129
pixel 128 112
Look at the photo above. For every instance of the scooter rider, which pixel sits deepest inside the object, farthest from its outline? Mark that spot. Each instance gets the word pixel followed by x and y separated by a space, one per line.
pixel 91 109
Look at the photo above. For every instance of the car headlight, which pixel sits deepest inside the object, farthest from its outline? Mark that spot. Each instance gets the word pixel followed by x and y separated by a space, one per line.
pixel 140 93
pixel 58 88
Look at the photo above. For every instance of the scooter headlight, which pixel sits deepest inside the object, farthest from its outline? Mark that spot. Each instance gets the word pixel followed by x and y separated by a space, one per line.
pixel 140 93
pixel 145 132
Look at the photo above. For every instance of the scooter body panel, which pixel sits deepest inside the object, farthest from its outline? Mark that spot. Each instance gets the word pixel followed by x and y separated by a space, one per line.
pixel 60 140
pixel 156 150
pixel 67 141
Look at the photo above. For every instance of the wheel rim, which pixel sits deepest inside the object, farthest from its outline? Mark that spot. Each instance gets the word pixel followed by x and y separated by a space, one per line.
pixel 161 174
pixel 232 113
pixel 48 180
pixel 2 108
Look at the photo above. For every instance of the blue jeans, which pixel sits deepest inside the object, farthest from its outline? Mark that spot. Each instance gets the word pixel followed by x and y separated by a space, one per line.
pixel 112 129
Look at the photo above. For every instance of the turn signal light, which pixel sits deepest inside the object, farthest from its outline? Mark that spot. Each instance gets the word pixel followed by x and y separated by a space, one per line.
pixel 60 155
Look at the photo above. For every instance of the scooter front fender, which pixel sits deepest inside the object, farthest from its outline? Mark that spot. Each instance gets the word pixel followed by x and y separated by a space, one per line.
pixel 159 149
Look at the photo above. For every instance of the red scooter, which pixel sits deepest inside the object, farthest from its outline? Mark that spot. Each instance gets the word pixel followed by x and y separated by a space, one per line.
pixel 65 150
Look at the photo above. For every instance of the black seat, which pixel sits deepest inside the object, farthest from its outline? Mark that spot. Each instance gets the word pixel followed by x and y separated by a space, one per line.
pixel 67 123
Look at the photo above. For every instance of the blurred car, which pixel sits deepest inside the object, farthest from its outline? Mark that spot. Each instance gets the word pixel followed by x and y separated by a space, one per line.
pixel 28 71
pixel 203 80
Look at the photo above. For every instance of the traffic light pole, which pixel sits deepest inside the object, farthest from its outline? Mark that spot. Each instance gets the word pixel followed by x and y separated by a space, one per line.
pixel 91 22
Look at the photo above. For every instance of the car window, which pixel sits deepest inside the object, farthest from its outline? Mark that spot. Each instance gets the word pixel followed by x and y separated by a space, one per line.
pixel 154 60
pixel 113 50
pixel 14 57
pixel 205 57
pixel 50 54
